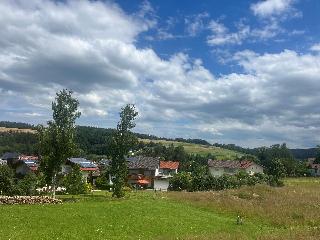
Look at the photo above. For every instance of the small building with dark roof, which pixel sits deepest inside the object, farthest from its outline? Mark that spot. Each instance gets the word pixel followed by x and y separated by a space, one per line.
pixel 314 168
pixel 88 168
pixel 150 172
pixel 11 158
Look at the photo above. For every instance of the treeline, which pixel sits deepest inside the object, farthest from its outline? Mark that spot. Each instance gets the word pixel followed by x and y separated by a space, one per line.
pixel 18 142
pixel 93 140
pixel 20 125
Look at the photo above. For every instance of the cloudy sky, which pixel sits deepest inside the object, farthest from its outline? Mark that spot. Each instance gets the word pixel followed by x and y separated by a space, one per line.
pixel 243 72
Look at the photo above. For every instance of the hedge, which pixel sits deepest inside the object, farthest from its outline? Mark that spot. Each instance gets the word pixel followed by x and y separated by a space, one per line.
pixel 187 181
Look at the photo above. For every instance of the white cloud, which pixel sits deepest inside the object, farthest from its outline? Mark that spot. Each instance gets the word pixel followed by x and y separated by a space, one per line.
pixel 267 8
pixel 315 47
pixel 195 23
pixel 276 95
pixel 220 35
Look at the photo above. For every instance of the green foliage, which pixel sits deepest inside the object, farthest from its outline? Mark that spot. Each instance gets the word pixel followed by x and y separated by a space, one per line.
pixel 180 181
pixel 204 182
pixel 6 180
pixel 282 156
pixel 27 185
pixel 74 182
pixel 277 169
pixel 122 141
pixel 57 141
pixel 9 185
pixel 18 142
pixel 317 160
pixel 102 182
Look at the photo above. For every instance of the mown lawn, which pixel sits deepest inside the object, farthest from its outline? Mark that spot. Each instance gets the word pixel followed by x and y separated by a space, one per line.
pixel 219 153
pixel 291 212
pixel 142 215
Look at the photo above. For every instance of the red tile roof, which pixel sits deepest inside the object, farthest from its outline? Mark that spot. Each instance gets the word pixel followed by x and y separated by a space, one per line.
pixel 229 164
pixel 26 157
pixel 169 165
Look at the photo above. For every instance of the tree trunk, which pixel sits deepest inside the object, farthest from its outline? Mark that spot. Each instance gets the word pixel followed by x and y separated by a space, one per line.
pixel 54 185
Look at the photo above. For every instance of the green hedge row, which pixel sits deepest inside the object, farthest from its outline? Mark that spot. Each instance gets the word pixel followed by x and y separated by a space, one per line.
pixel 187 181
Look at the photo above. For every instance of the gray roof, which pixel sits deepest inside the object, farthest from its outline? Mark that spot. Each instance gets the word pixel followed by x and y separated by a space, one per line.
pixel 83 162
pixel 141 162
pixel 10 155
pixel 229 164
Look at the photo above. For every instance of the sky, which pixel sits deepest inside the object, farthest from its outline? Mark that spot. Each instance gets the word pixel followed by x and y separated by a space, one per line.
pixel 242 72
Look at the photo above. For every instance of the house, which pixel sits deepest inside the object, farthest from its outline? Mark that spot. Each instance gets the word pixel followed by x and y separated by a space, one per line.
pixel 141 171
pixel 314 168
pixel 22 164
pixel 11 158
pixel 218 168
pixel 26 166
pixel 150 172
pixel 163 174
pixel 89 169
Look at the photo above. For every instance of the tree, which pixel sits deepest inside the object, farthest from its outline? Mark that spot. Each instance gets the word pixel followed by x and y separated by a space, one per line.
pixel 57 140
pixel 317 160
pixel 6 180
pixel 122 141
pixel 74 182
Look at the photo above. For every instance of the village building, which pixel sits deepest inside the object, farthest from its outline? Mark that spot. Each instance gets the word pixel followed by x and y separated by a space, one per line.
pixel 314 168
pixel 22 164
pixel 150 172
pixel 88 168
pixel 11 158
pixel 141 171
pixel 23 167
pixel 219 167
pixel 163 174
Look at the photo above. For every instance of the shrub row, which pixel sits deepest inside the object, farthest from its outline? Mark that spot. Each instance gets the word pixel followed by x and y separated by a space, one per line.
pixel 29 200
pixel 187 181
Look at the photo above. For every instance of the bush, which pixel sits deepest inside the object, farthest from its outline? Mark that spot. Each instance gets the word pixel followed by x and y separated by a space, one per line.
pixel 27 185
pixel 74 182
pixel 6 180
pixel 180 181
pixel 198 182
pixel 102 183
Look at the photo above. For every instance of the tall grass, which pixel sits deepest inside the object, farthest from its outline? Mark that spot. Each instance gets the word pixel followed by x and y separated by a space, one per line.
pixel 294 208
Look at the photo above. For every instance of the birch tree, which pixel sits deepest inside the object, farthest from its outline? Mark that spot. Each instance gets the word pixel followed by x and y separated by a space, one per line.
pixel 57 140
pixel 122 141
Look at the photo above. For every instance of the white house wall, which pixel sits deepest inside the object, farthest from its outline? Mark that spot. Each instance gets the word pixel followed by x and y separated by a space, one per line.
pixel 161 184
pixel 216 172
pixel 255 168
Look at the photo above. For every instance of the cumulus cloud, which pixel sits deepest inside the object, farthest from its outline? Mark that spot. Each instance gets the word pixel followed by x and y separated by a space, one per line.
pixel 195 23
pixel 49 45
pixel 315 47
pixel 221 35
pixel 267 8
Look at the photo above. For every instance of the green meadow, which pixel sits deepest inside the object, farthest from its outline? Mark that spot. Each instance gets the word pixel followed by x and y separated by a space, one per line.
pixel 290 212
pixel 192 148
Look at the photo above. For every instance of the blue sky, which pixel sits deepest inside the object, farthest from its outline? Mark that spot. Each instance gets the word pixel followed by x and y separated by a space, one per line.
pixel 243 72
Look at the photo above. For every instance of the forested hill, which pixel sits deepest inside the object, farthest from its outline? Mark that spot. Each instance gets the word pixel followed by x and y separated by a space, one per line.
pixel 93 140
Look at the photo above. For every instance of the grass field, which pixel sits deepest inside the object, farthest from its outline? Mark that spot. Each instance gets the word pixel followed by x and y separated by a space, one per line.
pixel 4 129
pixel 291 212
pixel 220 153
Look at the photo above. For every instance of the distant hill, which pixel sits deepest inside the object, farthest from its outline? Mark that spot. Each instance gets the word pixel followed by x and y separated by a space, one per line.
pixel 93 139
pixel 219 153
pixel 304 153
